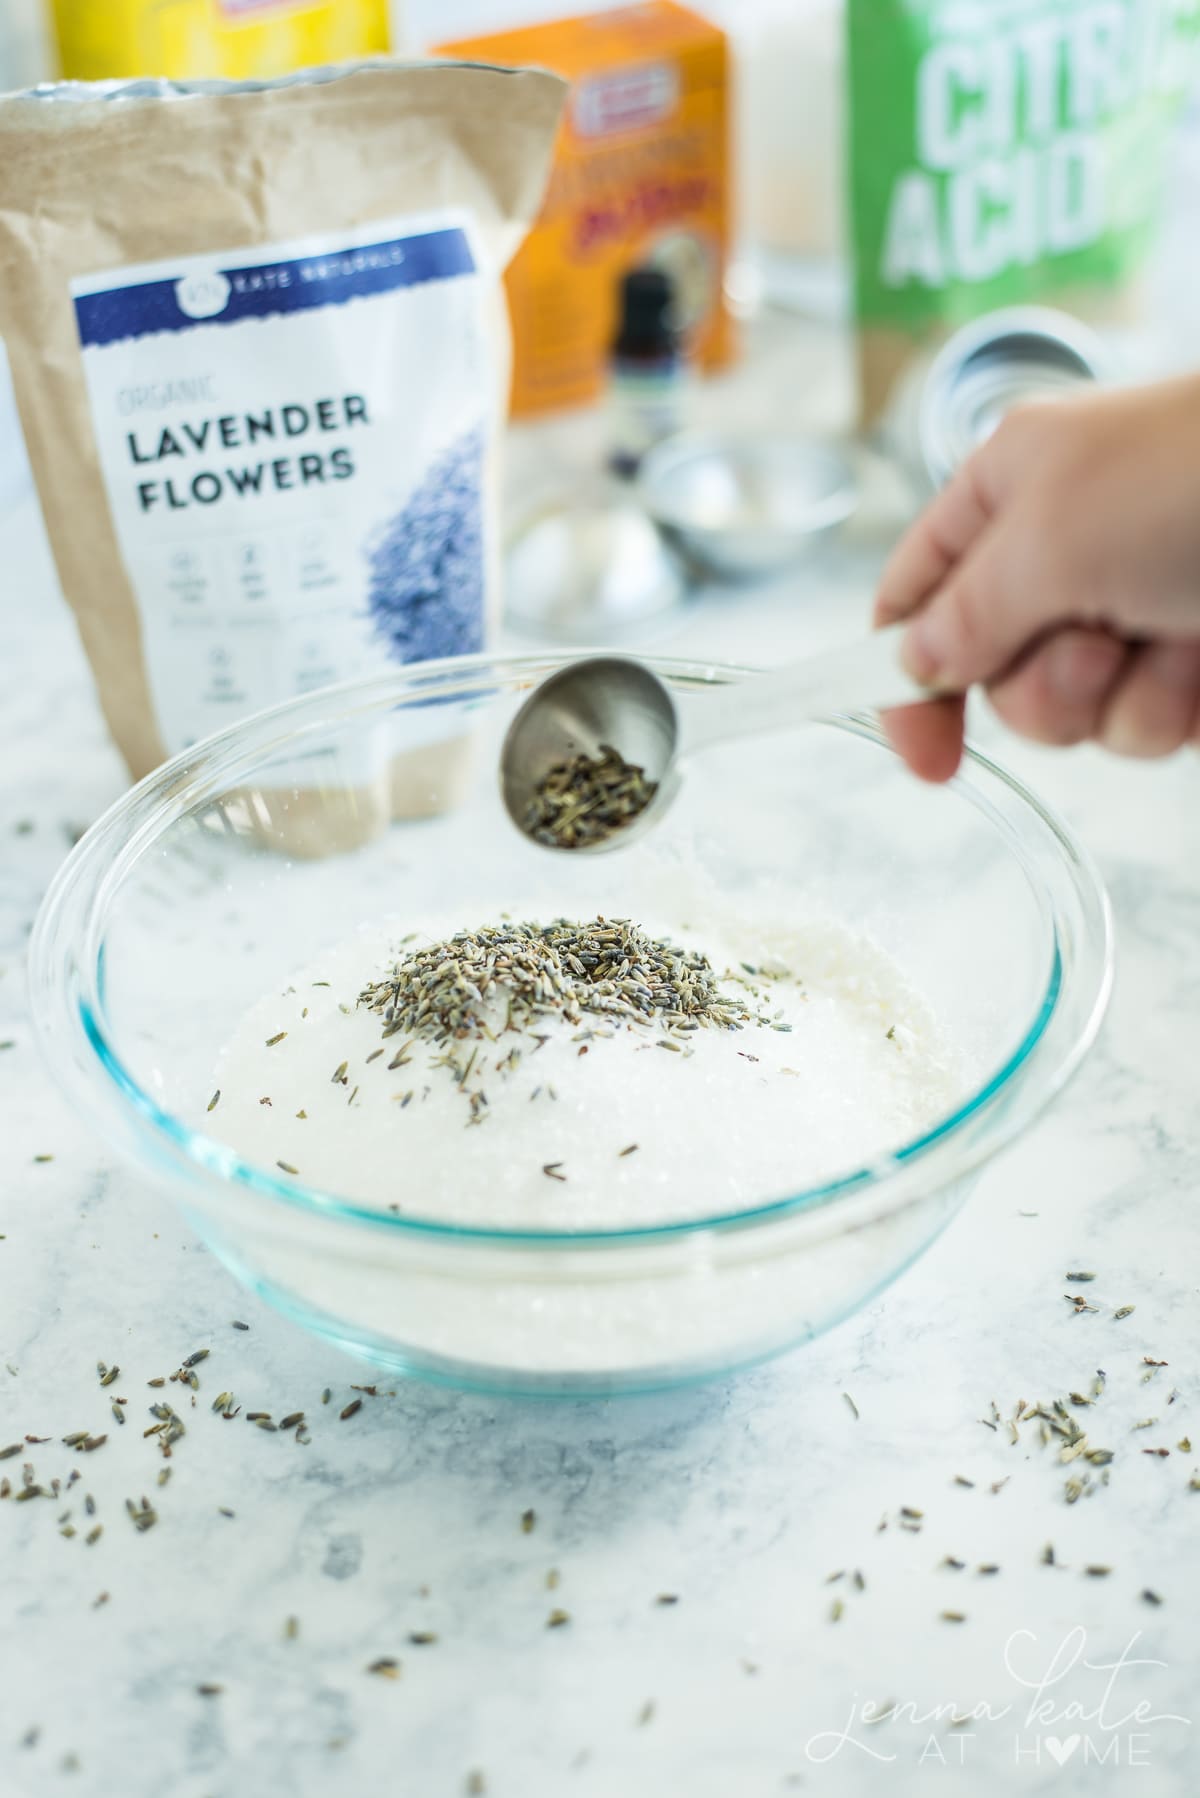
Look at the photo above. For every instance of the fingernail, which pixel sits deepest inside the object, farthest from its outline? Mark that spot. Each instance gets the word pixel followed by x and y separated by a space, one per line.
pixel 923 650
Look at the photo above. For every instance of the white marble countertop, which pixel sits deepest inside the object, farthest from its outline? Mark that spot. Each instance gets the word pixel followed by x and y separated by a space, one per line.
pixel 740 1498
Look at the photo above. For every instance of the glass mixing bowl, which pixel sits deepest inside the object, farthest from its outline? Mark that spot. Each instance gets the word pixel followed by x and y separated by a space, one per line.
pixel 233 864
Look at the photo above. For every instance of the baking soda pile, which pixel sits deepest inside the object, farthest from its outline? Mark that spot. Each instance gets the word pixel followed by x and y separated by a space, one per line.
pixel 596 1075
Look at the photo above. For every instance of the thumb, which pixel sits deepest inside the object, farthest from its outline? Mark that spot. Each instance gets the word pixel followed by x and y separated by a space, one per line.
pixel 989 608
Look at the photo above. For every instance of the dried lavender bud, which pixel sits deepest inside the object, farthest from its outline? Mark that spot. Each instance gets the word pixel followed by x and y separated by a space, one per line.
pixel 587 799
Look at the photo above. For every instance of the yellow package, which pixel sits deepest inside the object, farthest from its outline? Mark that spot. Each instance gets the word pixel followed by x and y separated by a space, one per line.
pixel 198 39
pixel 640 176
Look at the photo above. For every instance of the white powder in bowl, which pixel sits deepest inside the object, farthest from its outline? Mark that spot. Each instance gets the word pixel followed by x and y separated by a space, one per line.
pixel 598 1126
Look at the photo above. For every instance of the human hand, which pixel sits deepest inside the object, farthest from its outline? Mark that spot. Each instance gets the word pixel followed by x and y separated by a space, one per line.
pixel 1060 569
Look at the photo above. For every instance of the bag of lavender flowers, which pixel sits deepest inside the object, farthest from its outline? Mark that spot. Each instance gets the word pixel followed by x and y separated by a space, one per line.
pixel 260 356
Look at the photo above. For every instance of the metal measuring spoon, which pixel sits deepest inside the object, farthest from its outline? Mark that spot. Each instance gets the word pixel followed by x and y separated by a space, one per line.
pixel 614 702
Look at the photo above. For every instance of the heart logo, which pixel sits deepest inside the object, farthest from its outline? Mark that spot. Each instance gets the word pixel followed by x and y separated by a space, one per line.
pixel 1061 1751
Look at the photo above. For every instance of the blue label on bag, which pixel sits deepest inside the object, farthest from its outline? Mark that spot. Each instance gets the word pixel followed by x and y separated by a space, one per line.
pixel 227 294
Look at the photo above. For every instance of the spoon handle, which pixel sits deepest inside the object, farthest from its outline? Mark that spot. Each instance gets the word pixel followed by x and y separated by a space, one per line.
pixel 854 677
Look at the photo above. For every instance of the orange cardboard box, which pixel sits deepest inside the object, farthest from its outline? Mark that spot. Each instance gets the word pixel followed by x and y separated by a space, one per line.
pixel 641 174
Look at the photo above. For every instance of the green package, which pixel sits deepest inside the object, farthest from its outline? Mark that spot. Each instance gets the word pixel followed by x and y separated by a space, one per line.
pixel 1003 152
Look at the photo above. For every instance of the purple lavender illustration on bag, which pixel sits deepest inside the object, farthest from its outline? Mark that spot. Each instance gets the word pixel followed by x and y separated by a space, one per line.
pixel 425 594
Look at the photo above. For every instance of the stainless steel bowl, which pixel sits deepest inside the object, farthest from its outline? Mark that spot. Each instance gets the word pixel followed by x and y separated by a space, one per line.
pixel 742 507
pixel 588 569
